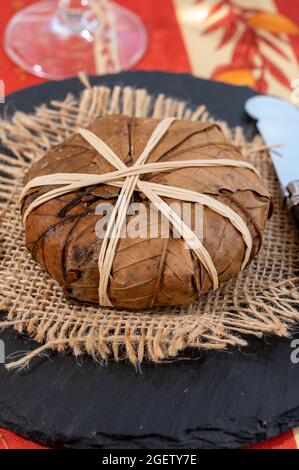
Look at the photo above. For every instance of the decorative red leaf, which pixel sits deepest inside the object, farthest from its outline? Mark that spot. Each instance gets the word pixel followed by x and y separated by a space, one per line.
pixel 273 22
pixel 276 72
pixel 282 37
pixel 273 46
pixel 216 25
pixel 228 34
pixel 261 84
pixel 250 11
pixel 245 48
pixel 215 8
pixel 219 69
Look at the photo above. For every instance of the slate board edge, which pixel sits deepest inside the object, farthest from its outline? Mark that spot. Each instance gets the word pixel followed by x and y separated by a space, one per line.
pixel 191 440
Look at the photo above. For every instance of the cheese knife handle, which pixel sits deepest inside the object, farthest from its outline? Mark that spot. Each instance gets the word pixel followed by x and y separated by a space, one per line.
pixel 293 201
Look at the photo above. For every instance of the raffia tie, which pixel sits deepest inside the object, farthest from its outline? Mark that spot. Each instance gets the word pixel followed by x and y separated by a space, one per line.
pixel 128 179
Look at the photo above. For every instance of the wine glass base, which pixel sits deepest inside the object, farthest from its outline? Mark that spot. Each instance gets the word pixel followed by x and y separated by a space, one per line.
pixel 37 41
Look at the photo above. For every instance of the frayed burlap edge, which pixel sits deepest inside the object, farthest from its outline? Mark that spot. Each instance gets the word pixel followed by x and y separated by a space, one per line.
pixel 262 300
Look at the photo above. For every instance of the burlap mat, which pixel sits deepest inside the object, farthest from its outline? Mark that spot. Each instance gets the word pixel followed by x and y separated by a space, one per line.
pixel 262 300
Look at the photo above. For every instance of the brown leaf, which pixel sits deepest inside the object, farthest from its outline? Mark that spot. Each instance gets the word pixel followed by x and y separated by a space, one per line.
pixel 146 271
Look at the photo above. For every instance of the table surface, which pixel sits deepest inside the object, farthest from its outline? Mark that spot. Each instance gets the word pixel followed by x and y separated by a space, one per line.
pixel 215 39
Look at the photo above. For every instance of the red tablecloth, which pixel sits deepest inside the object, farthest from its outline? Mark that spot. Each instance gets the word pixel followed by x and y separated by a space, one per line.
pixel 254 43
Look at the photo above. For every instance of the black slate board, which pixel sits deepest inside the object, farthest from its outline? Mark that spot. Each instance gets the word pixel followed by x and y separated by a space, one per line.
pixel 211 399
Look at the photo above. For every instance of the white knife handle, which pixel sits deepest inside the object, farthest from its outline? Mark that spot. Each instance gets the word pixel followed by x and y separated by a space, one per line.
pixel 293 200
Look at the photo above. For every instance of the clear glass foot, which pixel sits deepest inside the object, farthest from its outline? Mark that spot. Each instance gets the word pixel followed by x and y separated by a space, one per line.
pixel 57 39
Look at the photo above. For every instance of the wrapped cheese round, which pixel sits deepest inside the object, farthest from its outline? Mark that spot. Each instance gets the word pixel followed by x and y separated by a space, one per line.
pixel 121 164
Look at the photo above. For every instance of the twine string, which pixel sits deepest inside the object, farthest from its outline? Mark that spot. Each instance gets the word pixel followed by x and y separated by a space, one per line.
pixel 129 182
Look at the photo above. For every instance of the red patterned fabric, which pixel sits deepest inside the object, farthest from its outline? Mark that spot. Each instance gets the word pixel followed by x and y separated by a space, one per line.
pixel 9 440
pixel 173 46
pixel 286 440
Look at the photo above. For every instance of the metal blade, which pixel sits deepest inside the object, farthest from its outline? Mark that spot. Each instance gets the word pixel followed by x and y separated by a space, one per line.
pixel 278 123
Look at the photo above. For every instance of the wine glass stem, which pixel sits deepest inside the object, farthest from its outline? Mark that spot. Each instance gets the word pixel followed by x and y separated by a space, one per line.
pixel 74 16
